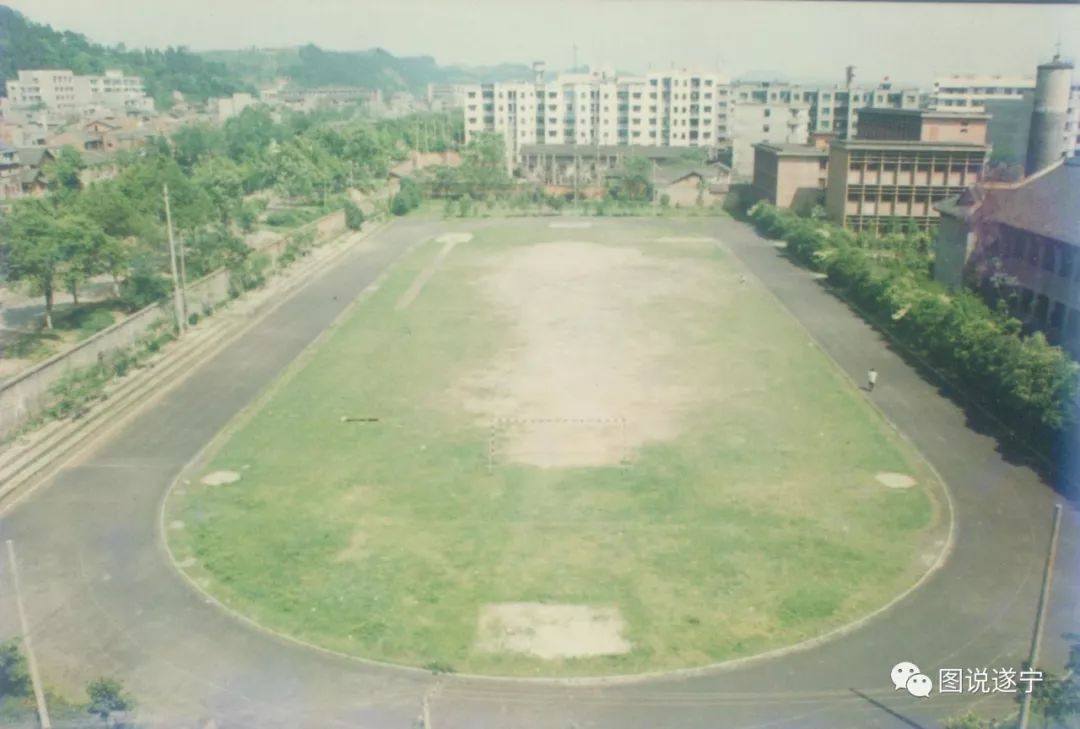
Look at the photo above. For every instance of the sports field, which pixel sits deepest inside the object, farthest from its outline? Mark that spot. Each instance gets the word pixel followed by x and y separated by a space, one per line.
pixel 560 448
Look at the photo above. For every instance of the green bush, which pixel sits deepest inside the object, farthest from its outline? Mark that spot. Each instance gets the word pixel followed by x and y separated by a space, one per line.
pixel 14 675
pixel 143 288
pixel 407 198
pixel 95 321
pixel 284 219
pixel 1025 381
pixel 354 216
pixel 250 273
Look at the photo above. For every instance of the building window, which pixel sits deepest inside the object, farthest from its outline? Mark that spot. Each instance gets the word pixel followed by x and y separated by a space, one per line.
pixel 764 127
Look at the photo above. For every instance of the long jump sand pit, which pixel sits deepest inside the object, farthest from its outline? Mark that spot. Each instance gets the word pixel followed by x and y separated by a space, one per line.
pixel 573 452
pixel 551 631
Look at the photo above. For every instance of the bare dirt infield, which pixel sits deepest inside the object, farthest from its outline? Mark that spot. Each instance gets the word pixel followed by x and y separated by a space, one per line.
pixel 584 378
pixel 574 452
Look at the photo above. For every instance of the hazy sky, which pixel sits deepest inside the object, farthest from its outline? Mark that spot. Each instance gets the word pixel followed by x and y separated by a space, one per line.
pixel 909 42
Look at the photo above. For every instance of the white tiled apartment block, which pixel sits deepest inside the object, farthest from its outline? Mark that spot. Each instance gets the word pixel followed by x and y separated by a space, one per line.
pixel 664 108
pixel 54 89
pixel 62 91
pixel 969 92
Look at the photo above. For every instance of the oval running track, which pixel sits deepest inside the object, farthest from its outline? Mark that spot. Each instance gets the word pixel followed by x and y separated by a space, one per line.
pixel 104 599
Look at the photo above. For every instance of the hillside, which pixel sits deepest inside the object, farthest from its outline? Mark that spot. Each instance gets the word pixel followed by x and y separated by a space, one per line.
pixel 310 66
pixel 25 44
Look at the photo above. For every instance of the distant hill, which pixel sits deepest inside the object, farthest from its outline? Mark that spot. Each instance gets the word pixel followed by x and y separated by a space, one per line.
pixel 25 44
pixel 310 66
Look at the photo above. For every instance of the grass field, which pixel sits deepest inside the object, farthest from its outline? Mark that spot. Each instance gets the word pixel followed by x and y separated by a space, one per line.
pixel 560 451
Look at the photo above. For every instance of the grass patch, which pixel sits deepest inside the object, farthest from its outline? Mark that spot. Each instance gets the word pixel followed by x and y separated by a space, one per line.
pixel 755 521
pixel 34 346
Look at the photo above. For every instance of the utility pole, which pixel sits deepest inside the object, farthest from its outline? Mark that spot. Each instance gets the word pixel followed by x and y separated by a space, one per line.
pixel 177 300
pixel 28 648
pixel 183 282
pixel 1040 615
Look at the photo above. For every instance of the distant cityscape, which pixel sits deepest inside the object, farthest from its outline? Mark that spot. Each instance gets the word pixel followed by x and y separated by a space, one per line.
pixel 865 153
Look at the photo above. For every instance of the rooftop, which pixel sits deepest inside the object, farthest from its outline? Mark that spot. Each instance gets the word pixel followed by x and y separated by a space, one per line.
pixel 611 150
pixel 1044 204
pixel 923 113
pixel 892 144
pixel 33 156
pixel 792 150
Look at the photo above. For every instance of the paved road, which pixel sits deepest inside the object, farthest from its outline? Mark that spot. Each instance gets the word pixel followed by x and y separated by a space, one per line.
pixel 102 594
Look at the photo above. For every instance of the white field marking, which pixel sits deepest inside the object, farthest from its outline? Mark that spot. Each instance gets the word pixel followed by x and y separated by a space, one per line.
pixel 449 240
pixel 896 480
pixel 219 478
pixel 571 224
pixel 27 645
pixel 551 631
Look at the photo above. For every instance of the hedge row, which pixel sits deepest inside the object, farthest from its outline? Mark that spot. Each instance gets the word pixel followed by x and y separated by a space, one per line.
pixel 1023 380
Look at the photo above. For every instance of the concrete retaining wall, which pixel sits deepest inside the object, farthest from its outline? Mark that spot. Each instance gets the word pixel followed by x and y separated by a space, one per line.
pixel 25 395
pixel 325 228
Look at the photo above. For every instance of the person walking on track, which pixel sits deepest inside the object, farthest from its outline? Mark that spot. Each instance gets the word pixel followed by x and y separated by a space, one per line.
pixel 871 379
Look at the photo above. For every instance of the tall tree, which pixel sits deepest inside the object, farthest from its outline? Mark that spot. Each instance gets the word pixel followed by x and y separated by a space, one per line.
pixel 35 249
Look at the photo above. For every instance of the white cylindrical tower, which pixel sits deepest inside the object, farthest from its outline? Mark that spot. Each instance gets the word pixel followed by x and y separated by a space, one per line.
pixel 1046 140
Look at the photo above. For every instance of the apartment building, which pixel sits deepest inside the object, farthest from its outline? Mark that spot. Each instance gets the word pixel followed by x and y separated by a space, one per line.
pixel 764 113
pixel 970 92
pixel 837 109
pixel 901 162
pixel 833 109
pixel 116 90
pixel 444 97
pixel 1004 97
pixel 53 89
pixel 62 91
pixel 328 96
pixel 781 113
pixel 676 109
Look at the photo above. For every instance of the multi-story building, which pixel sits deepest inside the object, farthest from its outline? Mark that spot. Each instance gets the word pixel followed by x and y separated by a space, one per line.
pixel 809 112
pixel 835 109
pixel 764 113
pixel 444 97
pixel 1009 100
pixel 62 91
pixel 330 96
pixel 1021 238
pixel 118 91
pixel 671 108
pixel 791 176
pixel 971 92
pixel 901 162
pixel 53 89
pixel 572 165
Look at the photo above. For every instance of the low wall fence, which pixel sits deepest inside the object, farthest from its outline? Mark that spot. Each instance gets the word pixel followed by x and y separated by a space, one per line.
pixel 26 394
